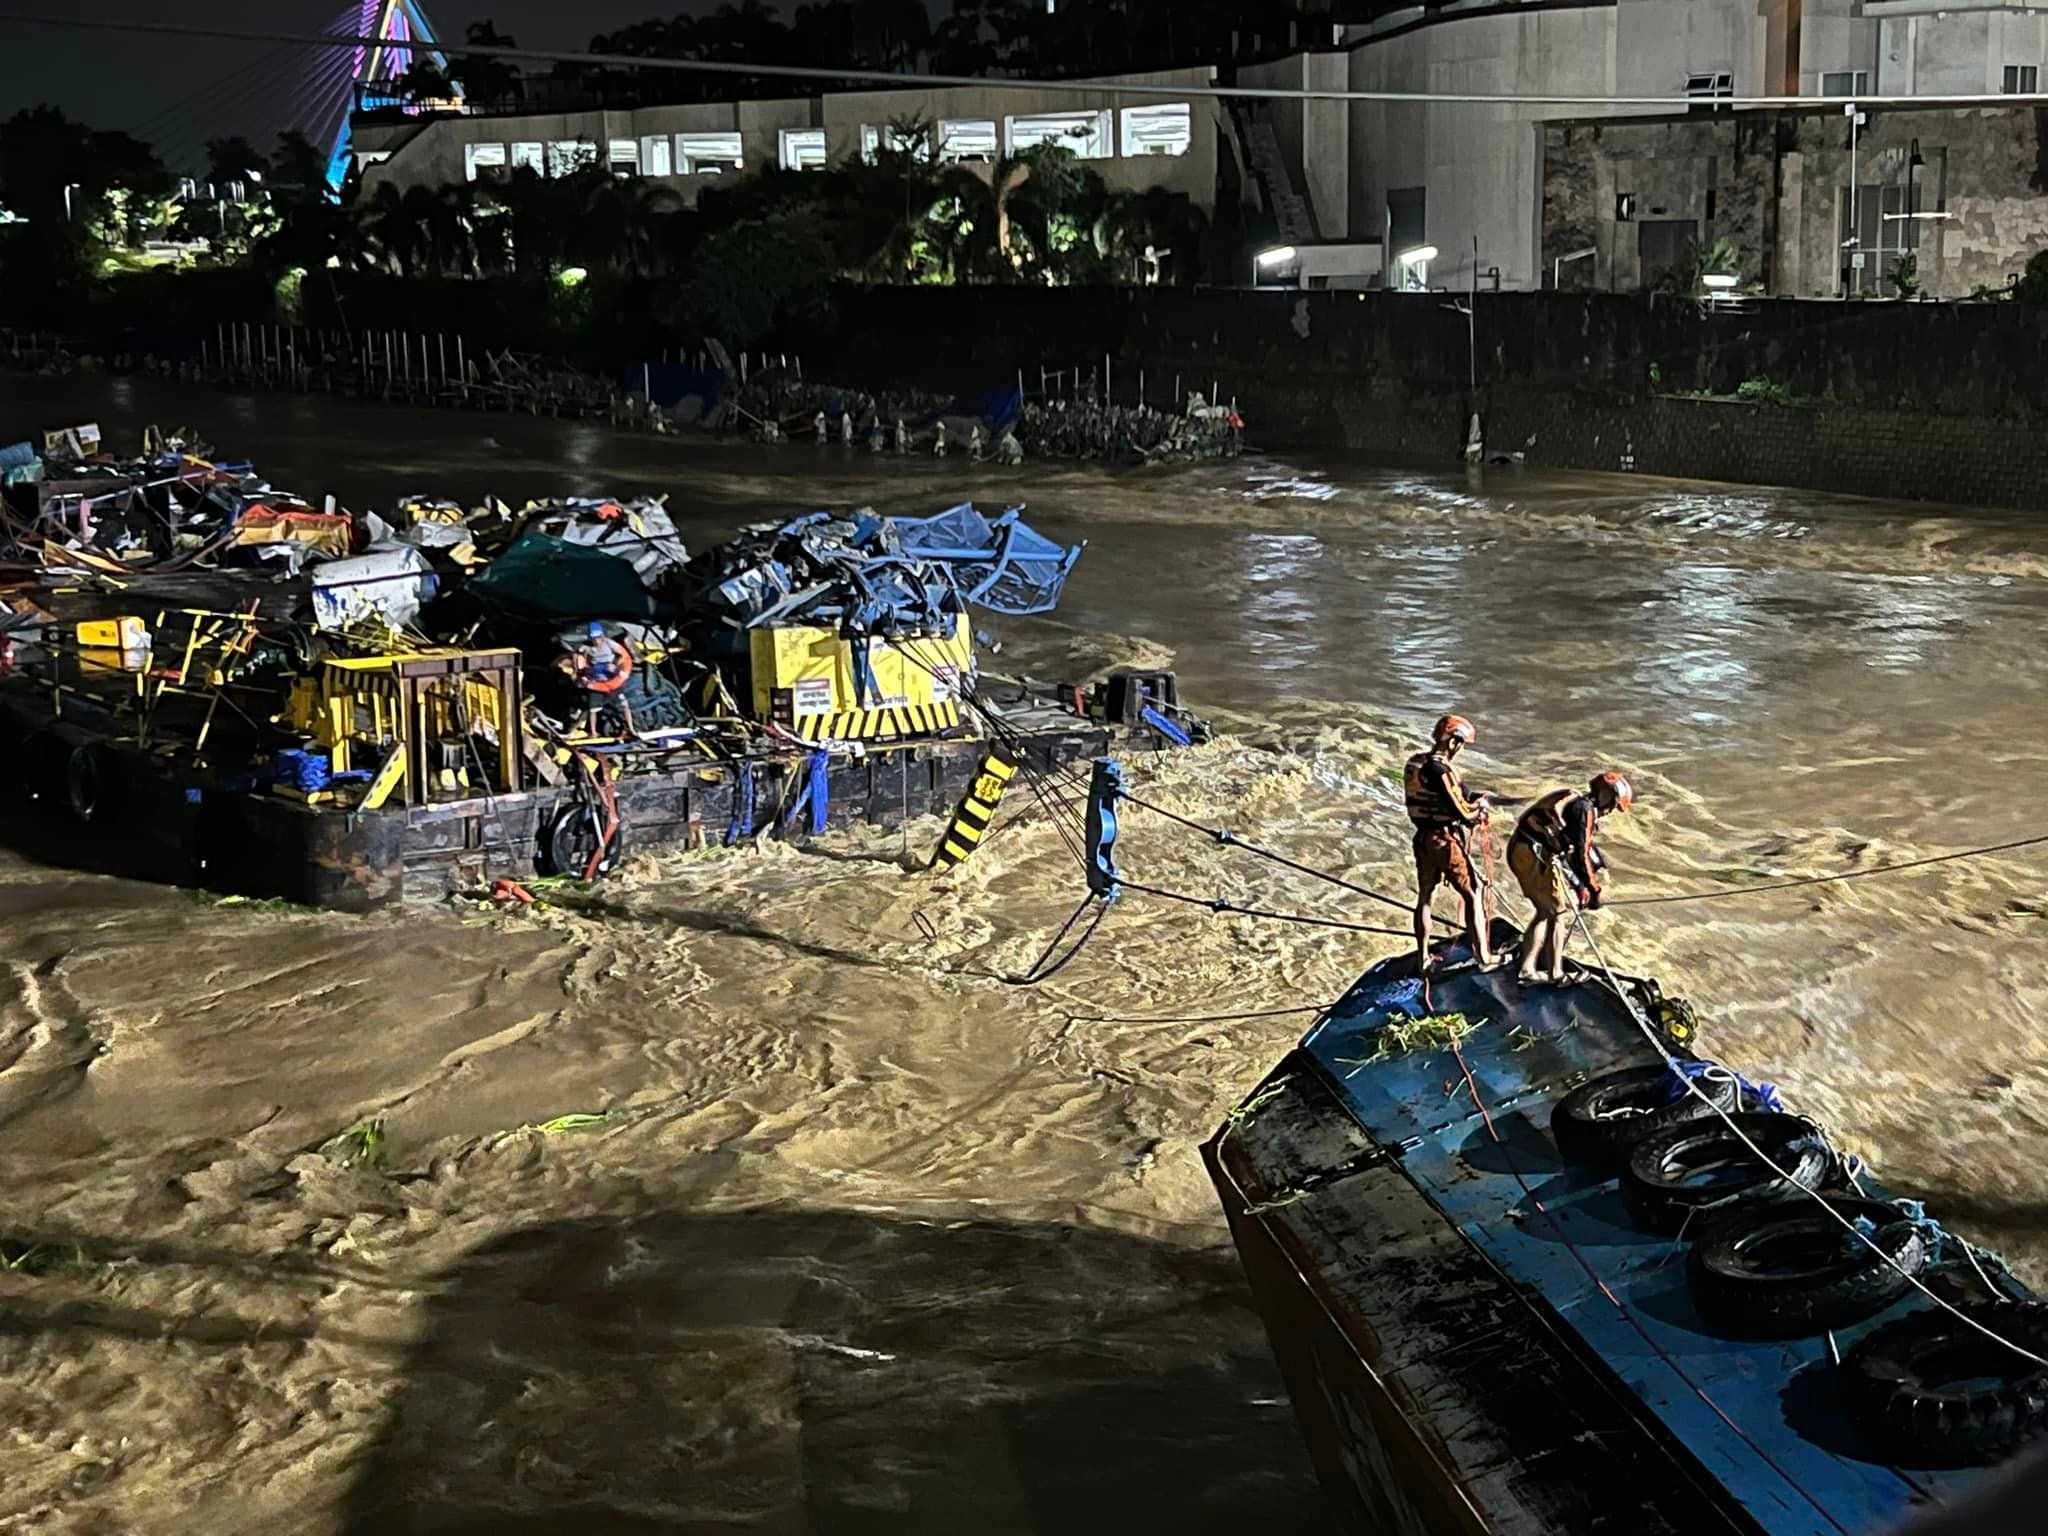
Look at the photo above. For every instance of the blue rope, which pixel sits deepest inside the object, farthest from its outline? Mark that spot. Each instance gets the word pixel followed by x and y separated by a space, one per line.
pixel 742 823
pixel 1764 1095
pixel 816 794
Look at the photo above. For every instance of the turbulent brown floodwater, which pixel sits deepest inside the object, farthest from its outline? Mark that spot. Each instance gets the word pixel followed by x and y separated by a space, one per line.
pixel 870 1240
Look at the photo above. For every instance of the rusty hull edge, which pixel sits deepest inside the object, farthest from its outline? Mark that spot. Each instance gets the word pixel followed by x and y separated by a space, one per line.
pixel 1376 1465
pixel 1436 1399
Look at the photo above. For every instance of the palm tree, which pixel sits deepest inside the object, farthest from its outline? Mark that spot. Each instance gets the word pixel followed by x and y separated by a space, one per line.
pixel 392 230
pixel 1167 223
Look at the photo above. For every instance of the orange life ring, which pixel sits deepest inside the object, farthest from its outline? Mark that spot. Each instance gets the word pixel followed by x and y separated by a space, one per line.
pixel 619 675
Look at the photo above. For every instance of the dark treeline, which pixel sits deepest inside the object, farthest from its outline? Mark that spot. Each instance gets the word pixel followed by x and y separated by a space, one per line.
pixel 592 261
pixel 977 37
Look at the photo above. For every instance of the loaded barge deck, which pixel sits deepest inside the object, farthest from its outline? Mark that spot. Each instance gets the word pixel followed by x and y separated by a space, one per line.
pixel 1482 1336
pixel 163 821
pixel 211 681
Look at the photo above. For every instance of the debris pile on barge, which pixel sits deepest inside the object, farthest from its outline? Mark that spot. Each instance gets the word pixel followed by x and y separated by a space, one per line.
pixel 1549 1271
pixel 221 682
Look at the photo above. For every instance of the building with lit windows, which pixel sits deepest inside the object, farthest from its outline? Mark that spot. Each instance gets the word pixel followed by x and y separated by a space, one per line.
pixel 1135 142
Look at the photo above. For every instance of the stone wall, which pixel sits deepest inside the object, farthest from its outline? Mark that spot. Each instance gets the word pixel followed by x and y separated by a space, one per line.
pixel 1776 184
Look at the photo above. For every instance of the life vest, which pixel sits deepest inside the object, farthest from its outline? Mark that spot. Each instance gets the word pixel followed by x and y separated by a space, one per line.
pixel 1543 827
pixel 1428 804
pixel 1543 823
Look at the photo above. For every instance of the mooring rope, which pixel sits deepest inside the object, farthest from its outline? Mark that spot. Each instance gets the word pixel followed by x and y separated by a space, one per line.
pixel 1692 1087
pixel 1852 874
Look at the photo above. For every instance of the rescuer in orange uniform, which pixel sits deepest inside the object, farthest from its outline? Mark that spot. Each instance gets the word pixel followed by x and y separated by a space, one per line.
pixel 1553 845
pixel 1444 816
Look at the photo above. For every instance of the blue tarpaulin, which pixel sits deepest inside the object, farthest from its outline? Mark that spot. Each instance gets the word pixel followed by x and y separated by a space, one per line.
pixel 667 384
pixel 1001 564
pixel 881 575
pixel 1000 407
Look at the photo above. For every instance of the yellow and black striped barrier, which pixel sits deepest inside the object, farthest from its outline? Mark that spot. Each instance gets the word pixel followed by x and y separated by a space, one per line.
pixel 970 823
pixel 901 723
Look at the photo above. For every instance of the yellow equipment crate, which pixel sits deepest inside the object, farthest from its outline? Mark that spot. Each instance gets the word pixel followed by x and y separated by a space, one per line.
pixel 113 645
pixel 804 681
pixel 411 699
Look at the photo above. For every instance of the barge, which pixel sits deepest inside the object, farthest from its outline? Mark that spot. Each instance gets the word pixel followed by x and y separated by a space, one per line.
pixel 205 680
pixel 1503 1309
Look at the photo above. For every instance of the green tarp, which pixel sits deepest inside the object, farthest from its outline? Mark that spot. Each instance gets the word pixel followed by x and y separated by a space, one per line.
pixel 549 578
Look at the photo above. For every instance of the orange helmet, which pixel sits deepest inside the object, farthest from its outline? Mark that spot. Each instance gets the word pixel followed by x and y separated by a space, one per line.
pixel 1624 796
pixel 1453 726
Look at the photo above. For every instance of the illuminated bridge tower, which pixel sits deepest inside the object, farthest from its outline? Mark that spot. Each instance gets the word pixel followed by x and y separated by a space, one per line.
pixel 375 68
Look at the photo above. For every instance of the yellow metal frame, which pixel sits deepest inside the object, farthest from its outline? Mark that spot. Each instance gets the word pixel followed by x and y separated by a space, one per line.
pixel 411 698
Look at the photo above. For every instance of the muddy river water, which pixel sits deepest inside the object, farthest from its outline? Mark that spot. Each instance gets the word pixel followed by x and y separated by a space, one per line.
pixel 867 1239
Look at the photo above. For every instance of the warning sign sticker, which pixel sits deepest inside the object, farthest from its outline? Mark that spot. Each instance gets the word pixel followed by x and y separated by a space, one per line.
pixel 945 684
pixel 811 696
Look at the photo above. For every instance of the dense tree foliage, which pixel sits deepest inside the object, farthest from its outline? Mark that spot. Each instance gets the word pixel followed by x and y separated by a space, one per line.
pixel 976 37
pixel 759 251
pixel 43 153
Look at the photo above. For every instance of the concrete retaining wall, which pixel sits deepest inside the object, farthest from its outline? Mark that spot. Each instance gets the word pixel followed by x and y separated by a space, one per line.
pixel 1921 401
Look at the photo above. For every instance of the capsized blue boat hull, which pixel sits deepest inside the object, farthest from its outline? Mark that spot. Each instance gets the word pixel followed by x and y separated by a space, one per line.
pixel 1476 1335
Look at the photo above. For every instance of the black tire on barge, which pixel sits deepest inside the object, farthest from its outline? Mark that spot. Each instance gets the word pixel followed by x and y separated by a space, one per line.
pixel 1599 1121
pixel 1663 1181
pixel 1932 1390
pixel 570 837
pixel 1791 1270
pixel 91 783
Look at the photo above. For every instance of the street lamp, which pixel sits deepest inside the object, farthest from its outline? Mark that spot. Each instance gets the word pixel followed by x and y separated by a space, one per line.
pixel 1854 244
pixel 1414 263
pixel 1269 262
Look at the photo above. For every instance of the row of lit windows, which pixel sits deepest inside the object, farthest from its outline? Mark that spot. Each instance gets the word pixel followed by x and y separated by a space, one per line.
pixel 1160 130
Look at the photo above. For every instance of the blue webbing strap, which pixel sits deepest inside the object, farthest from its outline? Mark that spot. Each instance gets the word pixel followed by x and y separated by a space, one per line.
pixel 1106 784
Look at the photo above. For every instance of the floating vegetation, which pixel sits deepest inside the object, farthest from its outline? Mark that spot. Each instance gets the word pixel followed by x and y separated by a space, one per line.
pixel 253 903
pixel 360 1146
pixel 1433 1032
pixel 571 1122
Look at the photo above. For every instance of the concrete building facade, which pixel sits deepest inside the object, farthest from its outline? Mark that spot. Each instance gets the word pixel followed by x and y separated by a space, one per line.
pixel 1510 196
pixel 1475 181
pixel 1135 142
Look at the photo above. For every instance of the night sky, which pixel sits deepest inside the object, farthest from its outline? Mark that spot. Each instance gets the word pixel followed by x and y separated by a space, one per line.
pixel 179 94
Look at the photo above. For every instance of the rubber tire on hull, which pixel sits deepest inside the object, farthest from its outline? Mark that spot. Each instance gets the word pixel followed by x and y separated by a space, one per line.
pixel 1592 1123
pixel 91 783
pixel 1896 1382
pixel 569 835
pixel 1740 1291
pixel 1654 1182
